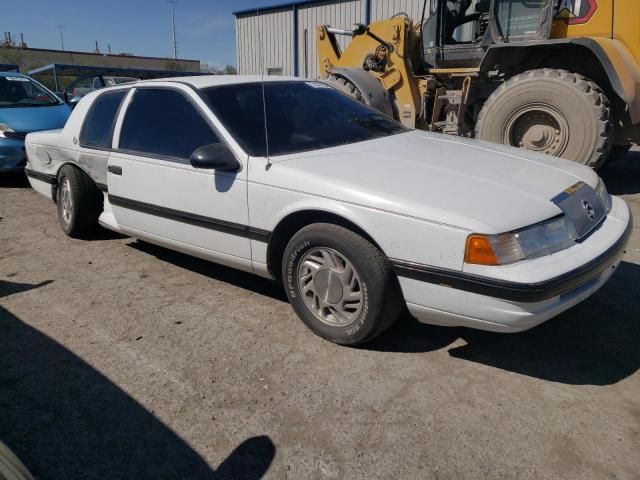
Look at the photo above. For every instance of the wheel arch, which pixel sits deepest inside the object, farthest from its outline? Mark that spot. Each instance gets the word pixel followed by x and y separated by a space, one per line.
pixel 294 221
pixel 596 60
pixel 54 186
pixel 372 90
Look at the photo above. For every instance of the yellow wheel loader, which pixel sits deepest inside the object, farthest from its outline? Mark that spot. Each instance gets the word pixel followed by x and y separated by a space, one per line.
pixel 560 77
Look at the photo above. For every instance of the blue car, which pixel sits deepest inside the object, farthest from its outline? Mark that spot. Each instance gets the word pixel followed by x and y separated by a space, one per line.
pixel 25 106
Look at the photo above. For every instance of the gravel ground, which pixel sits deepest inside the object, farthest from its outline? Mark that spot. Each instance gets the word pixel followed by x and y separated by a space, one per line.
pixel 123 360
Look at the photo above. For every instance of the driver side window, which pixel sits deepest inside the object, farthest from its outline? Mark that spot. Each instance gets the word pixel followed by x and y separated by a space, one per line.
pixel 467 31
pixel 163 122
pixel 520 18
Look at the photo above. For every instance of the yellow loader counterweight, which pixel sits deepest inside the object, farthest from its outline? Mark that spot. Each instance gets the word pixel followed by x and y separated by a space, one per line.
pixel 560 77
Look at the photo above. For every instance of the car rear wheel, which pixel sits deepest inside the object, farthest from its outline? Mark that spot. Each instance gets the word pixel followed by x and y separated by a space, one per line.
pixel 79 202
pixel 340 285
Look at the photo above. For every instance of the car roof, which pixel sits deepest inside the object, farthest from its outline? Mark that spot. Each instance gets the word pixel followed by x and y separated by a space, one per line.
pixel 204 81
pixel 12 74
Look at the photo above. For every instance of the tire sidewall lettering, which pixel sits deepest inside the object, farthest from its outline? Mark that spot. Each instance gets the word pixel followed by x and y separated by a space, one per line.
pixel 352 330
pixel 291 267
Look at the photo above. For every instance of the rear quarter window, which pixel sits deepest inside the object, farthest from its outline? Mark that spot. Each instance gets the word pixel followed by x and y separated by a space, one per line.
pixel 97 130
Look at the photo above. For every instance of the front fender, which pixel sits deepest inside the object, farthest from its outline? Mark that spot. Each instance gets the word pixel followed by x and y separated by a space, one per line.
pixel 398 236
pixel 621 68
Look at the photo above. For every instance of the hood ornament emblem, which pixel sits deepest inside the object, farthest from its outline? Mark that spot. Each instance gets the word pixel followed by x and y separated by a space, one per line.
pixel 589 210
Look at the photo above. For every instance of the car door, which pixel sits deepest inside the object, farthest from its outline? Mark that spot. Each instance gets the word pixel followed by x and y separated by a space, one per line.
pixel 154 191
pixel 96 135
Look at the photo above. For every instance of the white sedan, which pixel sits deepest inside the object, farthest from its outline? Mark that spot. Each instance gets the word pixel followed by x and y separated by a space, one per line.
pixel 355 214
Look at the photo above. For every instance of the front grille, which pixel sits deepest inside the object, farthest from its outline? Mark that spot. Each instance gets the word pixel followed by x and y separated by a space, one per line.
pixel 16 135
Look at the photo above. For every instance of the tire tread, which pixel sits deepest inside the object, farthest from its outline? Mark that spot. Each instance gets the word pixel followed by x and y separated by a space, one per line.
pixel 87 202
pixel 392 299
pixel 596 96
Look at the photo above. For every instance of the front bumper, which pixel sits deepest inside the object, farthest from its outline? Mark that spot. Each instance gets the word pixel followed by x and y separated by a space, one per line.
pixel 12 155
pixel 452 298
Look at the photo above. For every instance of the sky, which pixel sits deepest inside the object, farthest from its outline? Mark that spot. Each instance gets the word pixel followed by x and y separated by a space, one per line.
pixel 205 30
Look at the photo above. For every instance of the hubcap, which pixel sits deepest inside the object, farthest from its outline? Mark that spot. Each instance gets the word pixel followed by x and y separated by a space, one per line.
pixel 67 205
pixel 538 127
pixel 330 287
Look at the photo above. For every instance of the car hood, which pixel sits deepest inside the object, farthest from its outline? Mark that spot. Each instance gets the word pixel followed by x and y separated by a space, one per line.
pixel 469 184
pixel 32 119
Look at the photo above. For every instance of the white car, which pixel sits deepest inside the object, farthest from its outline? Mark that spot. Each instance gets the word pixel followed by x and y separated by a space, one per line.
pixel 355 214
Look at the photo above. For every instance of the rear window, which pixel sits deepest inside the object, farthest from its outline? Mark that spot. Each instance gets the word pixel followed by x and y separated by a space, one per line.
pixel 101 119
pixel 300 116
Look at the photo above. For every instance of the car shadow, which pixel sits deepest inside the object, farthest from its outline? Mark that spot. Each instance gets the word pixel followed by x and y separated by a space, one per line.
pixel 9 288
pixel 64 419
pixel 594 343
pixel 622 177
pixel 247 281
pixel 14 180
pixel 101 234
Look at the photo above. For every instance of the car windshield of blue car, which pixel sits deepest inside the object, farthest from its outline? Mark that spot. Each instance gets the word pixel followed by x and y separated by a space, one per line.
pixel 300 116
pixel 18 92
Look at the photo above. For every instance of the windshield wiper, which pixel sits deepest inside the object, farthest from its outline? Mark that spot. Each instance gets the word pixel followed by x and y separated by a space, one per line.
pixel 378 124
pixel 26 105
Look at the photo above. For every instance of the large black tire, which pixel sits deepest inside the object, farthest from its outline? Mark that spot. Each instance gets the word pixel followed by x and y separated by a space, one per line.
pixel 550 111
pixel 618 151
pixel 79 202
pixel 345 86
pixel 373 282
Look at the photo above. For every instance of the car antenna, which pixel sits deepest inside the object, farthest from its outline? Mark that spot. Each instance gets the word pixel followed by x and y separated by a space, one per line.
pixel 264 101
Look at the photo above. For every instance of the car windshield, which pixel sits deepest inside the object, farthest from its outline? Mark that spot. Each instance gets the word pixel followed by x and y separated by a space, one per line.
pixel 17 91
pixel 301 116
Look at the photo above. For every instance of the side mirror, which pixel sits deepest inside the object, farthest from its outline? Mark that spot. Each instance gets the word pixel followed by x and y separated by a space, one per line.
pixel 70 100
pixel 216 156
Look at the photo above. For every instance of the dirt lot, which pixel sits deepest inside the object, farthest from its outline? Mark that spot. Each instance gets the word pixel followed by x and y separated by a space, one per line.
pixel 123 360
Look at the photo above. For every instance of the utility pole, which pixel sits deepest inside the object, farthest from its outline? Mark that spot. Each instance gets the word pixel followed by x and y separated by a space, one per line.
pixel 173 25
pixel 109 48
pixel 97 49
pixel 60 27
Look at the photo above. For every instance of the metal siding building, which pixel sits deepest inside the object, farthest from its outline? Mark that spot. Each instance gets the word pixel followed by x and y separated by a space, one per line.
pixel 381 9
pixel 282 39
pixel 266 42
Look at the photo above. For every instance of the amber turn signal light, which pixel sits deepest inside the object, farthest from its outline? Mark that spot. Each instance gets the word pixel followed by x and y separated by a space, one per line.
pixel 479 251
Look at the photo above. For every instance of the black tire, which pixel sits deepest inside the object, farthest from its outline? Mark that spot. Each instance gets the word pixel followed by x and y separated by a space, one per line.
pixel 81 218
pixel 382 299
pixel 527 109
pixel 618 151
pixel 345 86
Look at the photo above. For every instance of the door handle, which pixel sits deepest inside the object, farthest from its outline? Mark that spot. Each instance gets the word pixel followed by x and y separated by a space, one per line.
pixel 115 169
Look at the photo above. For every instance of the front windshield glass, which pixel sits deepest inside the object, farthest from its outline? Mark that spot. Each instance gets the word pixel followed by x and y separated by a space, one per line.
pixel 301 116
pixel 17 91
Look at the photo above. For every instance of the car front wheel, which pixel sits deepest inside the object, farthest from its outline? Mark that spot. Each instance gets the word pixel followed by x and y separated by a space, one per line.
pixel 340 285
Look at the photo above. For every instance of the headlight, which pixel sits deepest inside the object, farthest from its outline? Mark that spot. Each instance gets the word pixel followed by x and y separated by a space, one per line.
pixel 601 190
pixel 541 239
pixel 4 128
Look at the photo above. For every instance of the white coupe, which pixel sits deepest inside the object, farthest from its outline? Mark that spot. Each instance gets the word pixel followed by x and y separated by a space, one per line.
pixel 355 214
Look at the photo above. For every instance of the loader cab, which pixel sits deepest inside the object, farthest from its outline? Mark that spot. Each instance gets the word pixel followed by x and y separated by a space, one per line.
pixel 459 32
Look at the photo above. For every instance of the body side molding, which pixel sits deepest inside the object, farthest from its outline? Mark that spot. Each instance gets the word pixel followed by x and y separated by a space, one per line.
pixel 192 219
